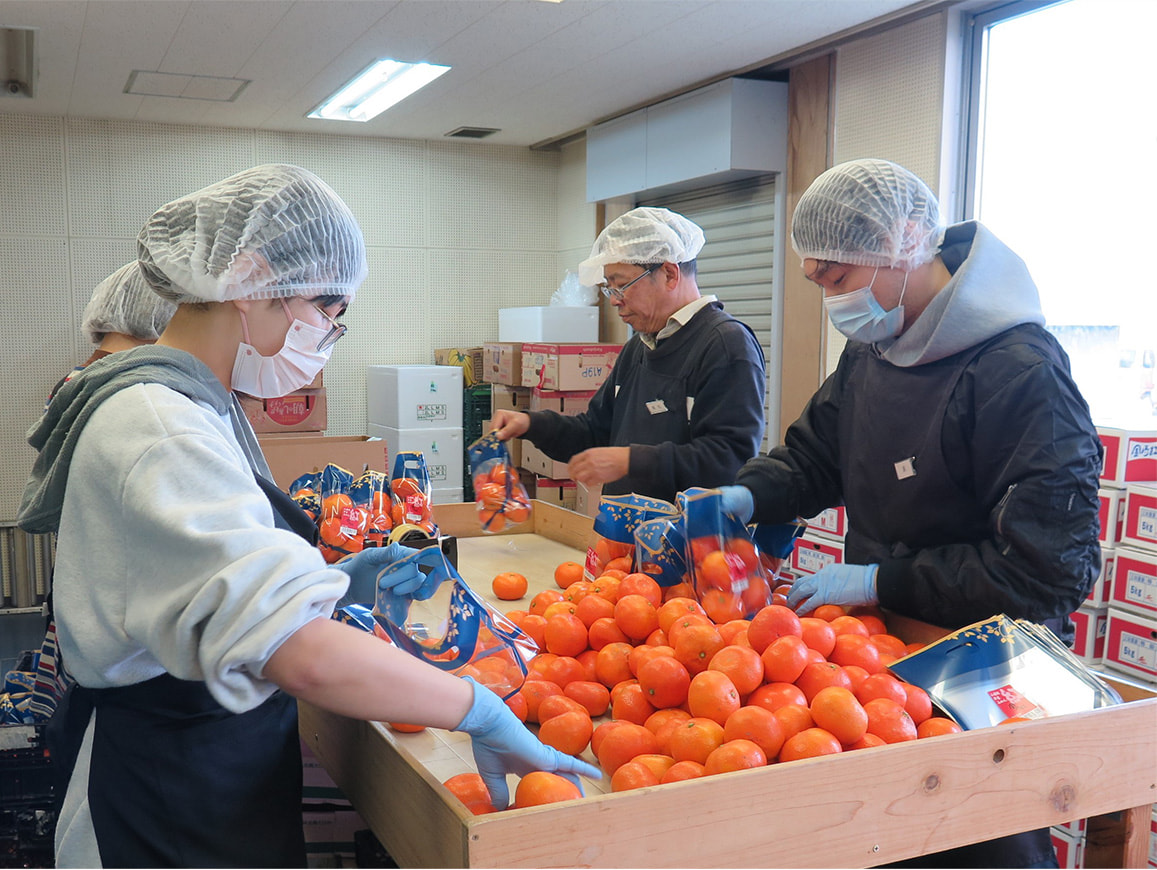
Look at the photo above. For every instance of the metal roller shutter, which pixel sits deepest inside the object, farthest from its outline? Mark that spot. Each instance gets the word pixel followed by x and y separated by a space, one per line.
pixel 737 263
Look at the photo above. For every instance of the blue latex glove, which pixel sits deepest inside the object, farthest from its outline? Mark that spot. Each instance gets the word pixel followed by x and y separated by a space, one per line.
pixel 737 501
pixel 847 585
pixel 503 745
pixel 364 567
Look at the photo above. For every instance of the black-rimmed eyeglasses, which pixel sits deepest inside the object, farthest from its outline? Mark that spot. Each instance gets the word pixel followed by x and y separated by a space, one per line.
pixel 619 293
pixel 336 330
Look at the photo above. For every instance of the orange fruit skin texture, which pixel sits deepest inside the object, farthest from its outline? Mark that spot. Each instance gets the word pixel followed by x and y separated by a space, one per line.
pixel 659 691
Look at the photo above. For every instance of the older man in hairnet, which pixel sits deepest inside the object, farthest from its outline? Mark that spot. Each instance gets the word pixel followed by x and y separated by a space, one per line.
pixel 684 404
pixel 951 429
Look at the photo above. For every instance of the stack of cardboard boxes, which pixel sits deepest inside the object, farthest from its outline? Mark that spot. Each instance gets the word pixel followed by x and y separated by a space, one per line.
pixel 416 408
pixel 1124 620
pixel 302 411
pixel 557 376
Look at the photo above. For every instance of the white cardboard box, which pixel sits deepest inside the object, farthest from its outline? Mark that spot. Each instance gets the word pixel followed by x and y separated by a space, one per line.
pixel 1103 586
pixel 1140 525
pixel 1131 644
pixel 447 495
pixel 813 552
pixel 1070 847
pixel 442 449
pixel 549 323
pixel 1111 513
pixel 1089 644
pixel 1134 585
pixel 833 522
pixel 414 397
pixel 1130 456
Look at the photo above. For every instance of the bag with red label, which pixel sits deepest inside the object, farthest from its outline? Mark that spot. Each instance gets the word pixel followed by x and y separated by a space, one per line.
pixel 498 491
pixel 341 525
pixel 412 492
pixel 371 491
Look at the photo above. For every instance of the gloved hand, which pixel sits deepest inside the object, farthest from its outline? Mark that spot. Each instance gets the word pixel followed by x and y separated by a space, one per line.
pixel 503 745
pixel 848 585
pixel 737 501
pixel 372 569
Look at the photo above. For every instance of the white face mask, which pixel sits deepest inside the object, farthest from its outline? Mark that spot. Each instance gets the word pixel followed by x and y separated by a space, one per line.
pixel 290 369
pixel 860 317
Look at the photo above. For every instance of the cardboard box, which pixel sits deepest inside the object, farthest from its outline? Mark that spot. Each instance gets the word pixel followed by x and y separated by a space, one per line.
pixel 414 397
pixel 832 522
pixel 1092 622
pixel 442 449
pixel 331 830
pixel 540 464
pixel 502 363
pixel 1130 456
pixel 587 499
pixel 1070 847
pixel 1111 513
pixel 569 402
pixel 1134 585
pixel 504 397
pixel 1131 643
pixel 1102 587
pixel 568 366
pixel 469 359
pixel 549 323
pixel 290 456
pixel 813 552
pixel 556 492
pixel 303 411
pixel 1140 525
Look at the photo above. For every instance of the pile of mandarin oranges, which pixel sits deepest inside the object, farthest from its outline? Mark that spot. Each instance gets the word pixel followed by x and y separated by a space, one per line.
pixel 661 692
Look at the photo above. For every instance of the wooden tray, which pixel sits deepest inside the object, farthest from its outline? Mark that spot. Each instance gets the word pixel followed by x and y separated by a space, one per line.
pixel 855 810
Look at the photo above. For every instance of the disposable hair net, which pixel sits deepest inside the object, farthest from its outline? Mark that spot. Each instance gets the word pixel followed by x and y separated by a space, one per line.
pixel 868 213
pixel 124 303
pixel 270 231
pixel 642 235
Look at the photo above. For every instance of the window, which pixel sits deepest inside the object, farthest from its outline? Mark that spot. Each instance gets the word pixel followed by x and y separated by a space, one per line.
pixel 1062 166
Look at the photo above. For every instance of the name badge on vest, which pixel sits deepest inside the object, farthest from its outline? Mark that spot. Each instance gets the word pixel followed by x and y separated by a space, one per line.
pixel 905 468
pixel 657 406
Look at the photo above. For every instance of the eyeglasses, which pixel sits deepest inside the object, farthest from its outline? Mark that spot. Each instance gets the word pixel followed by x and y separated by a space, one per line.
pixel 336 330
pixel 619 293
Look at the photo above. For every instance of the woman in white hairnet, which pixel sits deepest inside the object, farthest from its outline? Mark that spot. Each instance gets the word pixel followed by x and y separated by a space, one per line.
pixel 191 603
pixel 951 429
pixel 122 313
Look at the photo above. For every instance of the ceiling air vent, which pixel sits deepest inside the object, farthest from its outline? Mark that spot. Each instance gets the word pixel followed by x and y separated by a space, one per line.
pixel 472 132
pixel 216 89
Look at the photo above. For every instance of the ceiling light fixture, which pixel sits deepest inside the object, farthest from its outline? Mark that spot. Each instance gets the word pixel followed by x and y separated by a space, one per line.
pixel 18 62
pixel 384 83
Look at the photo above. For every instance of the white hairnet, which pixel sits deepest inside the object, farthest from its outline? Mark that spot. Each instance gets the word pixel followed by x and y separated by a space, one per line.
pixel 270 231
pixel 868 213
pixel 642 235
pixel 124 303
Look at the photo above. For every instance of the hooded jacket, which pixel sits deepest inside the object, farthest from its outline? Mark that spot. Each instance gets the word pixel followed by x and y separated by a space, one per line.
pixel 962 449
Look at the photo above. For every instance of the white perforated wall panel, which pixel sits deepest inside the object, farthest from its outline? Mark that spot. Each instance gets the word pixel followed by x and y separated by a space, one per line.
pixel 890 104
pixel 454 232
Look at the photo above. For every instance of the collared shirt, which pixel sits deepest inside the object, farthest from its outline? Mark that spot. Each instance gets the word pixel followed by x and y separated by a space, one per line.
pixel 677 320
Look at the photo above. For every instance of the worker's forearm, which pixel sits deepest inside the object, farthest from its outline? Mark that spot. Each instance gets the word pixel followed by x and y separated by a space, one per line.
pixel 351 672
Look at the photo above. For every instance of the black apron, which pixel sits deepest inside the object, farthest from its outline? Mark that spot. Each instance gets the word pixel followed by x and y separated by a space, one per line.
pixel 176 780
pixel 900 498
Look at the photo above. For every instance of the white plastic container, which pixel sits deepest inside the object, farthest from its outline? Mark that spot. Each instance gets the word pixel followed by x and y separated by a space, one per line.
pixel 442 448
pixel 414 397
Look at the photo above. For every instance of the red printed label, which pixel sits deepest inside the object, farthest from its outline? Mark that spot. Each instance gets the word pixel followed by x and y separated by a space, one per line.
pixel 1013 703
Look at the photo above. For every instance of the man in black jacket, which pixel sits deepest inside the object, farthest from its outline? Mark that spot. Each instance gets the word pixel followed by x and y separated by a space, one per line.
pixel 951 429
pixel 684 404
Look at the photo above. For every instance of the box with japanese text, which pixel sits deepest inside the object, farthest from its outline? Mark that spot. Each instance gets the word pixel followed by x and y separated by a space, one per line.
pixel 1140 525
pixel 303 411
pixel 833 522
pixel 441 448
pixel 1130 456
pixel 1131 643
pixel 1103 585
pixel 1134 583
pixel 813 552
pixel 557 492
pixel 414 397
pixel 504 397
pixel 1111 514
pixel 567 366
pixel 568 402
pixel 1070 847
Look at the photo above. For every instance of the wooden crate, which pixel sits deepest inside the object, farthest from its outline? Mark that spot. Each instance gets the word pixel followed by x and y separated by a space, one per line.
pixel 854 810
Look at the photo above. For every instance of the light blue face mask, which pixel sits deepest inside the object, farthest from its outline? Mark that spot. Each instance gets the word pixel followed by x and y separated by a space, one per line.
pixel 860 317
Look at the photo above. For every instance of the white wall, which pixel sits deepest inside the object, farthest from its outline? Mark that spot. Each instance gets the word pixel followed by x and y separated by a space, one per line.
pixel 455 230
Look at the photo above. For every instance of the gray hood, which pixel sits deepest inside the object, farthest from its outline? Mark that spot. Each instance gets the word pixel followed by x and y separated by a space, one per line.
pixel 990 291
pixel 56 434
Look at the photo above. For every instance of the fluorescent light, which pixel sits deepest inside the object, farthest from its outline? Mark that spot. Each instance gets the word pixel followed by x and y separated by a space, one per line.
pixel 383 84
